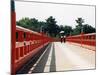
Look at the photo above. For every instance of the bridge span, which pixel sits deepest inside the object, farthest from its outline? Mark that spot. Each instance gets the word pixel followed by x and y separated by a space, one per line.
pixel 59 56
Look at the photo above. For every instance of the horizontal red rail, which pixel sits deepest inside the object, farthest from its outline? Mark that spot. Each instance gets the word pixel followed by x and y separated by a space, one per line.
pixel 86 39
pixel 28 43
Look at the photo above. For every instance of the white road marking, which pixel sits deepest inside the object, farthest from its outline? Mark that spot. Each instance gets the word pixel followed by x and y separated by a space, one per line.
pixel 68 57
pixel 47 66
pixel 30 71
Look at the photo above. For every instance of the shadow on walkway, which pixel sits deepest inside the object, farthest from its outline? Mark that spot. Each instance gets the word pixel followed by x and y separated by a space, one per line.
pixel 24 69
pixel 53 63
pixel 41 64
pixel 39 68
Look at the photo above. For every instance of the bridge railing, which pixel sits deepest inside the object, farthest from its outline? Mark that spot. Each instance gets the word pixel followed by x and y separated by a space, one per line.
pixel 28 44
pixel 25 43
pixel 83 39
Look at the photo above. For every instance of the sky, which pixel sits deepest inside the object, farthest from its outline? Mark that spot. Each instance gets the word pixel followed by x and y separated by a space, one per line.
pixel 64 14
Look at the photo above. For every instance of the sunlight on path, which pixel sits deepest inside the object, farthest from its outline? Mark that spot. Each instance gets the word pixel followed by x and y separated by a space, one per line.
pixel 70 57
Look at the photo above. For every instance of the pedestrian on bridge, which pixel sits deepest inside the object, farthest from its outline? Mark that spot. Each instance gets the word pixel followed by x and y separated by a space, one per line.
pixel 61 39
pixel 64 38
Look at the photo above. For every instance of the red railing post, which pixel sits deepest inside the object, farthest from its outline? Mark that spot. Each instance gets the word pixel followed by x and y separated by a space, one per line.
pixel 83 39
pixel 13 37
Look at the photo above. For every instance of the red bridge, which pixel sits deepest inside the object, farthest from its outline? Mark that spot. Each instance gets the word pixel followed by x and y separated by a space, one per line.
pixel 34 52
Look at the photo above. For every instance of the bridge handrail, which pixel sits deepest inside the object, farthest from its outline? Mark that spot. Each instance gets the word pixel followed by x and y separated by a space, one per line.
pixel 87 39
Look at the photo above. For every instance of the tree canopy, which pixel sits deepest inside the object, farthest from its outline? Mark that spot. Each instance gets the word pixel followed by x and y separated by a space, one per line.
pixel 51 28
pixel 82 28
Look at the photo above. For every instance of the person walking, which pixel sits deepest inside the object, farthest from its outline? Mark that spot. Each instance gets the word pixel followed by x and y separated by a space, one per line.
pixel 64 38
pixel 61 39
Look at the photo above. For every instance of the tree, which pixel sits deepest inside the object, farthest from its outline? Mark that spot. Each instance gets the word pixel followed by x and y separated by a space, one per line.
pixel 67 29
pixel 24 22
pixel 52 27
pixel 88 29
pixel 32 24
pixel 82 28
pixel 79 21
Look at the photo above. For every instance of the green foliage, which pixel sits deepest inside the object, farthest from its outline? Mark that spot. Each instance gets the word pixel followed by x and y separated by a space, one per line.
pixel 32 24
pixel 52 29
pixel 82 28
pixel 75 31
pixel 79 21
pixel 24 22
pixel 67 29
pixel 88 29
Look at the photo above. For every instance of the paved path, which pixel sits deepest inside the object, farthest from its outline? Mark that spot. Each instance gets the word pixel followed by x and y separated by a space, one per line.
pixel 62 57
